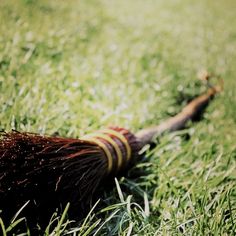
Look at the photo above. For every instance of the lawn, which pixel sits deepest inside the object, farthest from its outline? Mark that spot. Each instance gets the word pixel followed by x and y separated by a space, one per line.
pixel 71 67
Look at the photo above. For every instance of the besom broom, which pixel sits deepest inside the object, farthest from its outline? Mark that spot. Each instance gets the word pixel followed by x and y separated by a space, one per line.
pixel 50 171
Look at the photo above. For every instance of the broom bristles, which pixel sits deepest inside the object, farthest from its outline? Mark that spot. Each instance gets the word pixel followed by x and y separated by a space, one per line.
pixel 47 170
pixel 51 171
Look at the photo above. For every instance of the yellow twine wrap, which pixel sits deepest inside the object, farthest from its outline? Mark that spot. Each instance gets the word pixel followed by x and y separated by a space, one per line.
pixel 104 148
pixel 104 134
pixel 113 143
pixel 122 138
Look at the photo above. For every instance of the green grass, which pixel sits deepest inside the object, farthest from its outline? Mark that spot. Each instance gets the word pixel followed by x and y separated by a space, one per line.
pixel 75 66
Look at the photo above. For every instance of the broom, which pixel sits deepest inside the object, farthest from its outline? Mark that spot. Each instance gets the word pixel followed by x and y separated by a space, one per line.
pixel 50 171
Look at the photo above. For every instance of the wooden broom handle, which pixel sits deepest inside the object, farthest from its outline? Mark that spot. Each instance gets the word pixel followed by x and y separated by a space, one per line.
pixel 189 112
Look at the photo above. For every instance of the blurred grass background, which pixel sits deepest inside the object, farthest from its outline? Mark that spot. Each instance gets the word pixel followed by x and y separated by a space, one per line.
pixel 70 67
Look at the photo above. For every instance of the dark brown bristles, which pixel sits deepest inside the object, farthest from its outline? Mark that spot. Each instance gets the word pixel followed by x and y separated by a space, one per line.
pixel 45 170
pixel 50 171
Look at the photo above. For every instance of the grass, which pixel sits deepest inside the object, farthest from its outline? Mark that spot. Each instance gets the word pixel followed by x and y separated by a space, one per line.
pixel 73 67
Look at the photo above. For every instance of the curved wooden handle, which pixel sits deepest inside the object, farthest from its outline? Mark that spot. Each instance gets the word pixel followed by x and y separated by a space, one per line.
pixel 189 112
